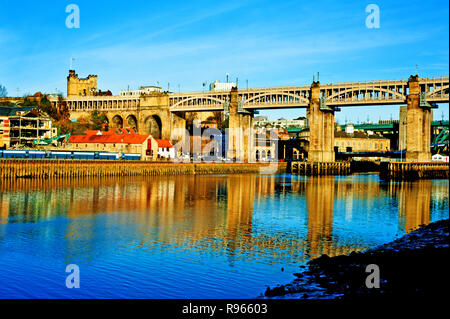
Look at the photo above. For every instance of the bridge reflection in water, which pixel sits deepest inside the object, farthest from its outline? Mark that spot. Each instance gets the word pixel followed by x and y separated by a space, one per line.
pixel 222 207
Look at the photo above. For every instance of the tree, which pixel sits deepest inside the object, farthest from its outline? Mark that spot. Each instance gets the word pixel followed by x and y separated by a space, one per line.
pixel 62 110
pixel 3 91
pixel 47 107
pixel 217 116
pixel 98 119
pixel 61 117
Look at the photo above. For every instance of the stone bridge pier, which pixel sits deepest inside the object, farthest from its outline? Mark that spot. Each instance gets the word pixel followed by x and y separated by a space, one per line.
pixel 155 117
pixel 240 133
pixel 321 128
pixel 418 124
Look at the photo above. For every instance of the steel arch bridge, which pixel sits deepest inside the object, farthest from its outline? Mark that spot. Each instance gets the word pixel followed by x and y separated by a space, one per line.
pixel 382 92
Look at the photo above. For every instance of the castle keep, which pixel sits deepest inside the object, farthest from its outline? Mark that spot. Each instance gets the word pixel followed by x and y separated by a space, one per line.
pixel 81 87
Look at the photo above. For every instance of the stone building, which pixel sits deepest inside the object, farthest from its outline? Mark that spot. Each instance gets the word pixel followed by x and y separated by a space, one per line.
pixel 360 142
pixel 81 86
pixel 116 141
pixel 264 147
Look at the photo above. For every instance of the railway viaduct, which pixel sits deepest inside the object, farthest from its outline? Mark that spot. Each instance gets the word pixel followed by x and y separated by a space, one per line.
pixel 159 113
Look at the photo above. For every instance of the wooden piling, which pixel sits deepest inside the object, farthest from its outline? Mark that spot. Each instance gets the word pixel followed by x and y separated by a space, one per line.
pixel 62 168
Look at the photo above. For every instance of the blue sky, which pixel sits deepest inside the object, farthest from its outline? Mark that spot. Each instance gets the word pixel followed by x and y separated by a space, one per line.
pixel 268 43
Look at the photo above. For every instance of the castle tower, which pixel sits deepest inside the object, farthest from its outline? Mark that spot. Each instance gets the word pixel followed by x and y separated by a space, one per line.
pixel 81 87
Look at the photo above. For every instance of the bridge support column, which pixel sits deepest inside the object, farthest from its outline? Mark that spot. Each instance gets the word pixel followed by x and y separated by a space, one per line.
pixel 240 140
pixel 246 123
pixel 178 122
pixel 418 125
pixel 321 129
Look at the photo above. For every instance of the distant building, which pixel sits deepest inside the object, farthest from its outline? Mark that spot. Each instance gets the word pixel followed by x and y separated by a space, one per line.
pixel 360 142
pixel 265 148
pixel 439 158
pixel 221 86
pixel 349 129
pixel 23 125
pixel 142 90
pixel 260 118
pixel 262 121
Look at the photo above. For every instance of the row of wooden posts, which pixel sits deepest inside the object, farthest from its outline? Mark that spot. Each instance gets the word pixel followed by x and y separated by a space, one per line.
pixel 50 168
pixel 320 168
pixel 413 170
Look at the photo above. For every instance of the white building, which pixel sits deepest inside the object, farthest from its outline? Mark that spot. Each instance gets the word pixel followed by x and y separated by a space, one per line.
pixel 349 129
pixel 142 90
pixel 165 149
pixel 439 158
pixel 221 86
pixel 262 121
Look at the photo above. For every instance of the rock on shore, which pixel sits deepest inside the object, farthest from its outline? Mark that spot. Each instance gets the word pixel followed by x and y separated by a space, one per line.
pixel 413 265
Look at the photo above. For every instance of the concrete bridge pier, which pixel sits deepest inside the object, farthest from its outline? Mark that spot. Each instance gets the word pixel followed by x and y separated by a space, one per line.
pixel 321 128
pixel 418 124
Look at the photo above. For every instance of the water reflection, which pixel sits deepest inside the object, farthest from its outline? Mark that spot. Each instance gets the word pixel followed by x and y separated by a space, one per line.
pixel 203 196
pixel 320 201
pixel 414 203
pixel 247 222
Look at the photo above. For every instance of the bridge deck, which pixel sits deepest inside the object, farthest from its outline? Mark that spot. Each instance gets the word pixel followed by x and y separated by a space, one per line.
pixel 382 92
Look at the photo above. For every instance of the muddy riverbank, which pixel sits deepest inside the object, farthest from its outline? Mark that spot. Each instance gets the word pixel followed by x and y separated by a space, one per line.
pixel 414 265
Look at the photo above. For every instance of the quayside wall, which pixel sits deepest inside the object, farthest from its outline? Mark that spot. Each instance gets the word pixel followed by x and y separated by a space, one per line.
pixel 50 168
pixel 413 170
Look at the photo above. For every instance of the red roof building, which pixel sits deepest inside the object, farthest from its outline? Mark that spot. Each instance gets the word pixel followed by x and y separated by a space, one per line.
pixel 122 138
pixel 116 140
pixel 164 143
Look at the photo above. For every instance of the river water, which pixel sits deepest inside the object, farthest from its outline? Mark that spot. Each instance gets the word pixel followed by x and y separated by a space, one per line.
pixel 195 236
